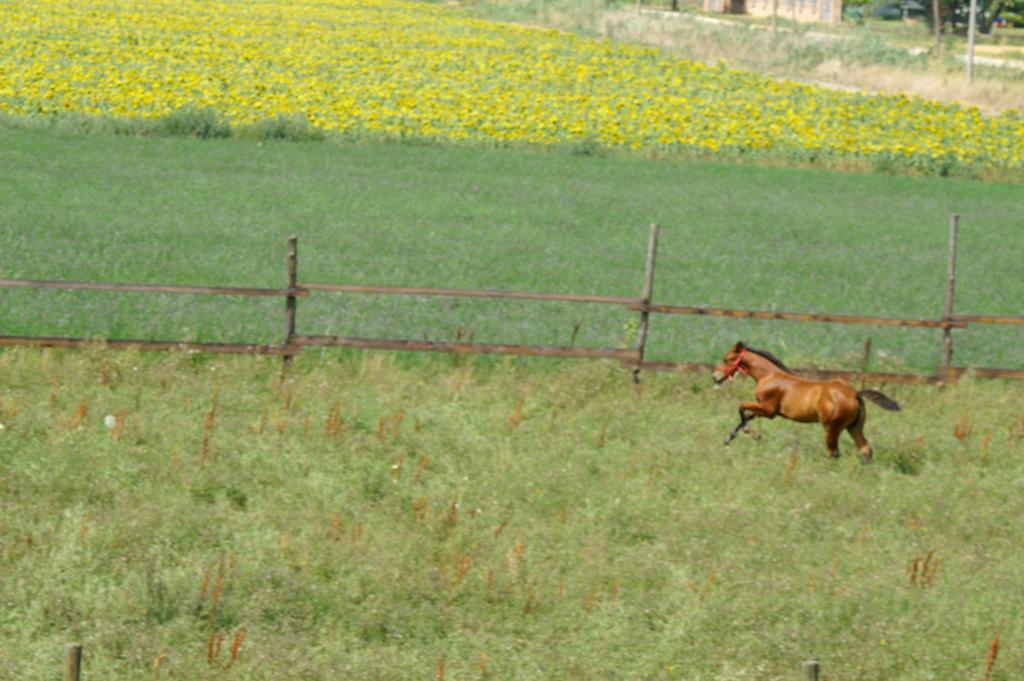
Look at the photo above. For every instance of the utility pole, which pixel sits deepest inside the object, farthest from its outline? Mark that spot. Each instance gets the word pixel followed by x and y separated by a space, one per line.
pixel 972 27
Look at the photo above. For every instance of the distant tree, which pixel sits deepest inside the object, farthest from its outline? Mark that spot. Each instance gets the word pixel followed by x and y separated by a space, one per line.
pixel 956 12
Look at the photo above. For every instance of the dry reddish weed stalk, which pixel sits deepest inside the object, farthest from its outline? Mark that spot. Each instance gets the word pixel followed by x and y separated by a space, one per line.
pixel 79 415
pixel 921 571
pixel 336 528
pixel 396 424
pixel 333 424
pixel 963 427
pixel 420 509
pixel 421 466
pixel 236 646
pixel 787 478
pixel 990 658
pixel 11 411
pixel 213 646
pixel 120 419
pixel 517 416
pixel 452 517
pixel 208 424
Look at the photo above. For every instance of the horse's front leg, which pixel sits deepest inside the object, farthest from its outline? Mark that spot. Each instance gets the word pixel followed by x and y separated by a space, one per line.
pixel 748 412
pixel 744 419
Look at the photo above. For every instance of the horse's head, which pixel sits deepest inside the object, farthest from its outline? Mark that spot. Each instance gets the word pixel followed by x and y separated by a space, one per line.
pixel 731 363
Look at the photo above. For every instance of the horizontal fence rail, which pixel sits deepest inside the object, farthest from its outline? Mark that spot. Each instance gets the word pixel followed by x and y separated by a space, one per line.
pixel 471 293
pixel 294 343
pixel 149 288
pixel 147 345
pixel 953 322
pixel 623 355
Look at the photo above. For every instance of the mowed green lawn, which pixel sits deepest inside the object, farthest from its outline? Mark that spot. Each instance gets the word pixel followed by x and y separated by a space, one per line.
pixel 106 208
pixel 201 518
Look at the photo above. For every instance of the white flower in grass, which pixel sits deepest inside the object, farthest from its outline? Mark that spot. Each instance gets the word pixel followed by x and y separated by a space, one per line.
pixel 110 421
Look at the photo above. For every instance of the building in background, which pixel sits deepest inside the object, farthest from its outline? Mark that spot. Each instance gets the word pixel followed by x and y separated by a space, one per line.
pixel 820 11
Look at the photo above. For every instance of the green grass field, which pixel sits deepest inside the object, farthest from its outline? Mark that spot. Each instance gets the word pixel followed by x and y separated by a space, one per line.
pixel 106 208
pixel 379 516
pixel 199 518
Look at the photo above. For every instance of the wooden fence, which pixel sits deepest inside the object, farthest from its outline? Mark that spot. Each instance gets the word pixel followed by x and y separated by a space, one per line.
pixel 293 343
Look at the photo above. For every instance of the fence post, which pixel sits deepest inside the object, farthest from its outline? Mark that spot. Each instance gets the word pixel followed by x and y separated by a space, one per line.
pixel 947 331
pixel 290 302
pixel 864 362
pixel 812 670
pixel 73 662
pixel 645 314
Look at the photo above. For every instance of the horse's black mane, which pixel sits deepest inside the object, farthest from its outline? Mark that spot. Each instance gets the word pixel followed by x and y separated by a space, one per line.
pixel 770 357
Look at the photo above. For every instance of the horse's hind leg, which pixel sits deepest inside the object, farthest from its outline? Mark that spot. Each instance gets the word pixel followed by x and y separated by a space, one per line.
pixel 856 430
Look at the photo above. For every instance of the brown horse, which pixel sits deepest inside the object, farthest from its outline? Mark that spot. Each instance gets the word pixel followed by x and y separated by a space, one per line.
pixel 834 404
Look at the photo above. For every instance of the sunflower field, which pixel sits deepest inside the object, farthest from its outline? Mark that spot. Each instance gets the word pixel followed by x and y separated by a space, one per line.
pixel 414 70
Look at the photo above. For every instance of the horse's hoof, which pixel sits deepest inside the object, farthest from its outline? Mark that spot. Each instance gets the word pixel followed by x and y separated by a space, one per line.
pixel 727 441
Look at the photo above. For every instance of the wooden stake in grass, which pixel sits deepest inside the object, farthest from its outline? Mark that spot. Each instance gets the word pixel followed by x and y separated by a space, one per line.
pixel 440 669
pixel 72 662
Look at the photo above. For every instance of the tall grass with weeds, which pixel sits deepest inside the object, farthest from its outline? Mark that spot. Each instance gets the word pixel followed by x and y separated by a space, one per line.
pixel 371 516
pixel 188 122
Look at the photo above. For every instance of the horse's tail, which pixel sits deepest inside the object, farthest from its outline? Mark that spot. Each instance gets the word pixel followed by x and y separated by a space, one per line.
pixel 880 399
